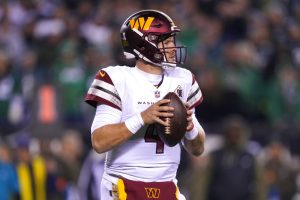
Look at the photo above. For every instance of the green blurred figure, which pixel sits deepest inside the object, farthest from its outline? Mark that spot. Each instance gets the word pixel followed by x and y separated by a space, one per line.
pixel 231 172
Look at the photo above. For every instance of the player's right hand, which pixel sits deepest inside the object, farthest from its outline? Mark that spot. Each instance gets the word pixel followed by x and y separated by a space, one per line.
pixel 156 112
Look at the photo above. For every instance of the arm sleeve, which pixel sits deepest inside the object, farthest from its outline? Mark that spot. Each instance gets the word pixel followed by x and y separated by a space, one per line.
pixel 105 115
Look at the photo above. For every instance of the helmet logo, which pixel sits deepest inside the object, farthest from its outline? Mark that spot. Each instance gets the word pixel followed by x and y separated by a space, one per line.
pixel 140 23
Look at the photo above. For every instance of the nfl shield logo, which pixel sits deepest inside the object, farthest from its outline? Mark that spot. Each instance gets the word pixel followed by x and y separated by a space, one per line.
pixel 157 94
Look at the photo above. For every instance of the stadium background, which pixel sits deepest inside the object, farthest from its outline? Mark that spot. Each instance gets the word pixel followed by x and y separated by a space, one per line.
pixel 244 53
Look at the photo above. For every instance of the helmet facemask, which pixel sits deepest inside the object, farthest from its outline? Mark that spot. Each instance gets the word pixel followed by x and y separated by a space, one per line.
pixel 178 51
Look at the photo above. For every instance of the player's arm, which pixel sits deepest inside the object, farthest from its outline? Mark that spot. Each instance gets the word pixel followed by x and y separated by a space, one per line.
pixel 109 136
pixel 108 132
pixel 108 129
pixel 195 136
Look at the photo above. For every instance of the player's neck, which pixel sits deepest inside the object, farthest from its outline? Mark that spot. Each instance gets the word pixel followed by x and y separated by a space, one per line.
pixel 149 68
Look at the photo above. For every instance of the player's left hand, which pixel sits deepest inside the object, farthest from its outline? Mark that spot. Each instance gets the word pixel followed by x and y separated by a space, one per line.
pixel 190 125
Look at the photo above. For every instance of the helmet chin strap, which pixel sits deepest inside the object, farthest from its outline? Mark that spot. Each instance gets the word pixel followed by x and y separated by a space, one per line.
pixel 168 66
pixel 163 65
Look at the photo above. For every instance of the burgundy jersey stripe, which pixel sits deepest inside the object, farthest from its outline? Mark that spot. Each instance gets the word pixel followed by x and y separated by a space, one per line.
pixel 102 75
pixel 95 100
pixel 194 79
pixel 197 103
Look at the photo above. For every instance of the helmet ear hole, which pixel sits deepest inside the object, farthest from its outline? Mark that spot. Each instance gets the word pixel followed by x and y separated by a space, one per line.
pixel 153 38
pixel 158 57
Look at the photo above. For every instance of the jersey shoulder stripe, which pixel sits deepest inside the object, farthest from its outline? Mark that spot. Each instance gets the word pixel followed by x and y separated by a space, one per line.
pixel 103 91
pixel 195 95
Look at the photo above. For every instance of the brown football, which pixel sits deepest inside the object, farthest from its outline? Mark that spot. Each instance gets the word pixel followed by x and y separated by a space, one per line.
pixel 172 134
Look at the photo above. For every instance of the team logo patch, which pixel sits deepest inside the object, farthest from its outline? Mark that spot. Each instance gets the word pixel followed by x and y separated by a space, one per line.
pixel 140 23
pixel 152 193
pixel 179 90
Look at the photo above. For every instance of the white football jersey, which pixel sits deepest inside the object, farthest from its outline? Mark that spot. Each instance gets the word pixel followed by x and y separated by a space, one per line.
pixel 144 156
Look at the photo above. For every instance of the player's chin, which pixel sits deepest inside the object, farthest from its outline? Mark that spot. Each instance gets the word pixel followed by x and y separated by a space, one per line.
pixel 172 60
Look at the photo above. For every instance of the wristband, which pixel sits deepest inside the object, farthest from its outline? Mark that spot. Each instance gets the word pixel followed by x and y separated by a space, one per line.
pixel 192 134
pixel 134 123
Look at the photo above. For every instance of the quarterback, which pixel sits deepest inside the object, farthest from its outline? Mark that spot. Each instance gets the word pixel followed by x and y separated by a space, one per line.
pixel 129 100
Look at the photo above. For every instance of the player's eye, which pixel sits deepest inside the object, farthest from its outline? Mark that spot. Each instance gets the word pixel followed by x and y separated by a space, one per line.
pixel 169 41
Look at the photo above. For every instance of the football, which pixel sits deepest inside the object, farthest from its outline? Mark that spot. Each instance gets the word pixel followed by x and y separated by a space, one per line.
pixel 172 134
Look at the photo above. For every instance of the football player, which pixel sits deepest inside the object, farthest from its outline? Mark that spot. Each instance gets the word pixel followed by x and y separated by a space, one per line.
pixel 128 102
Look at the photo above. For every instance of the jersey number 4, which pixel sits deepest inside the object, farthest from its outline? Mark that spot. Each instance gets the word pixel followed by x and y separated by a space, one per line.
pixel 152 136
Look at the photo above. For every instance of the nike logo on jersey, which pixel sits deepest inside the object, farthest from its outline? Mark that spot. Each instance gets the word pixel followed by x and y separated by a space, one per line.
pixel 102 73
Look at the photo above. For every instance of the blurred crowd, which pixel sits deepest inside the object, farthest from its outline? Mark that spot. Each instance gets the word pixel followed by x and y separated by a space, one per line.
pixel 245 55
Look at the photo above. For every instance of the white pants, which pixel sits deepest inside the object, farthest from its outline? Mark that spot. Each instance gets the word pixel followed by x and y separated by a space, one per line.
pixel 107 188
